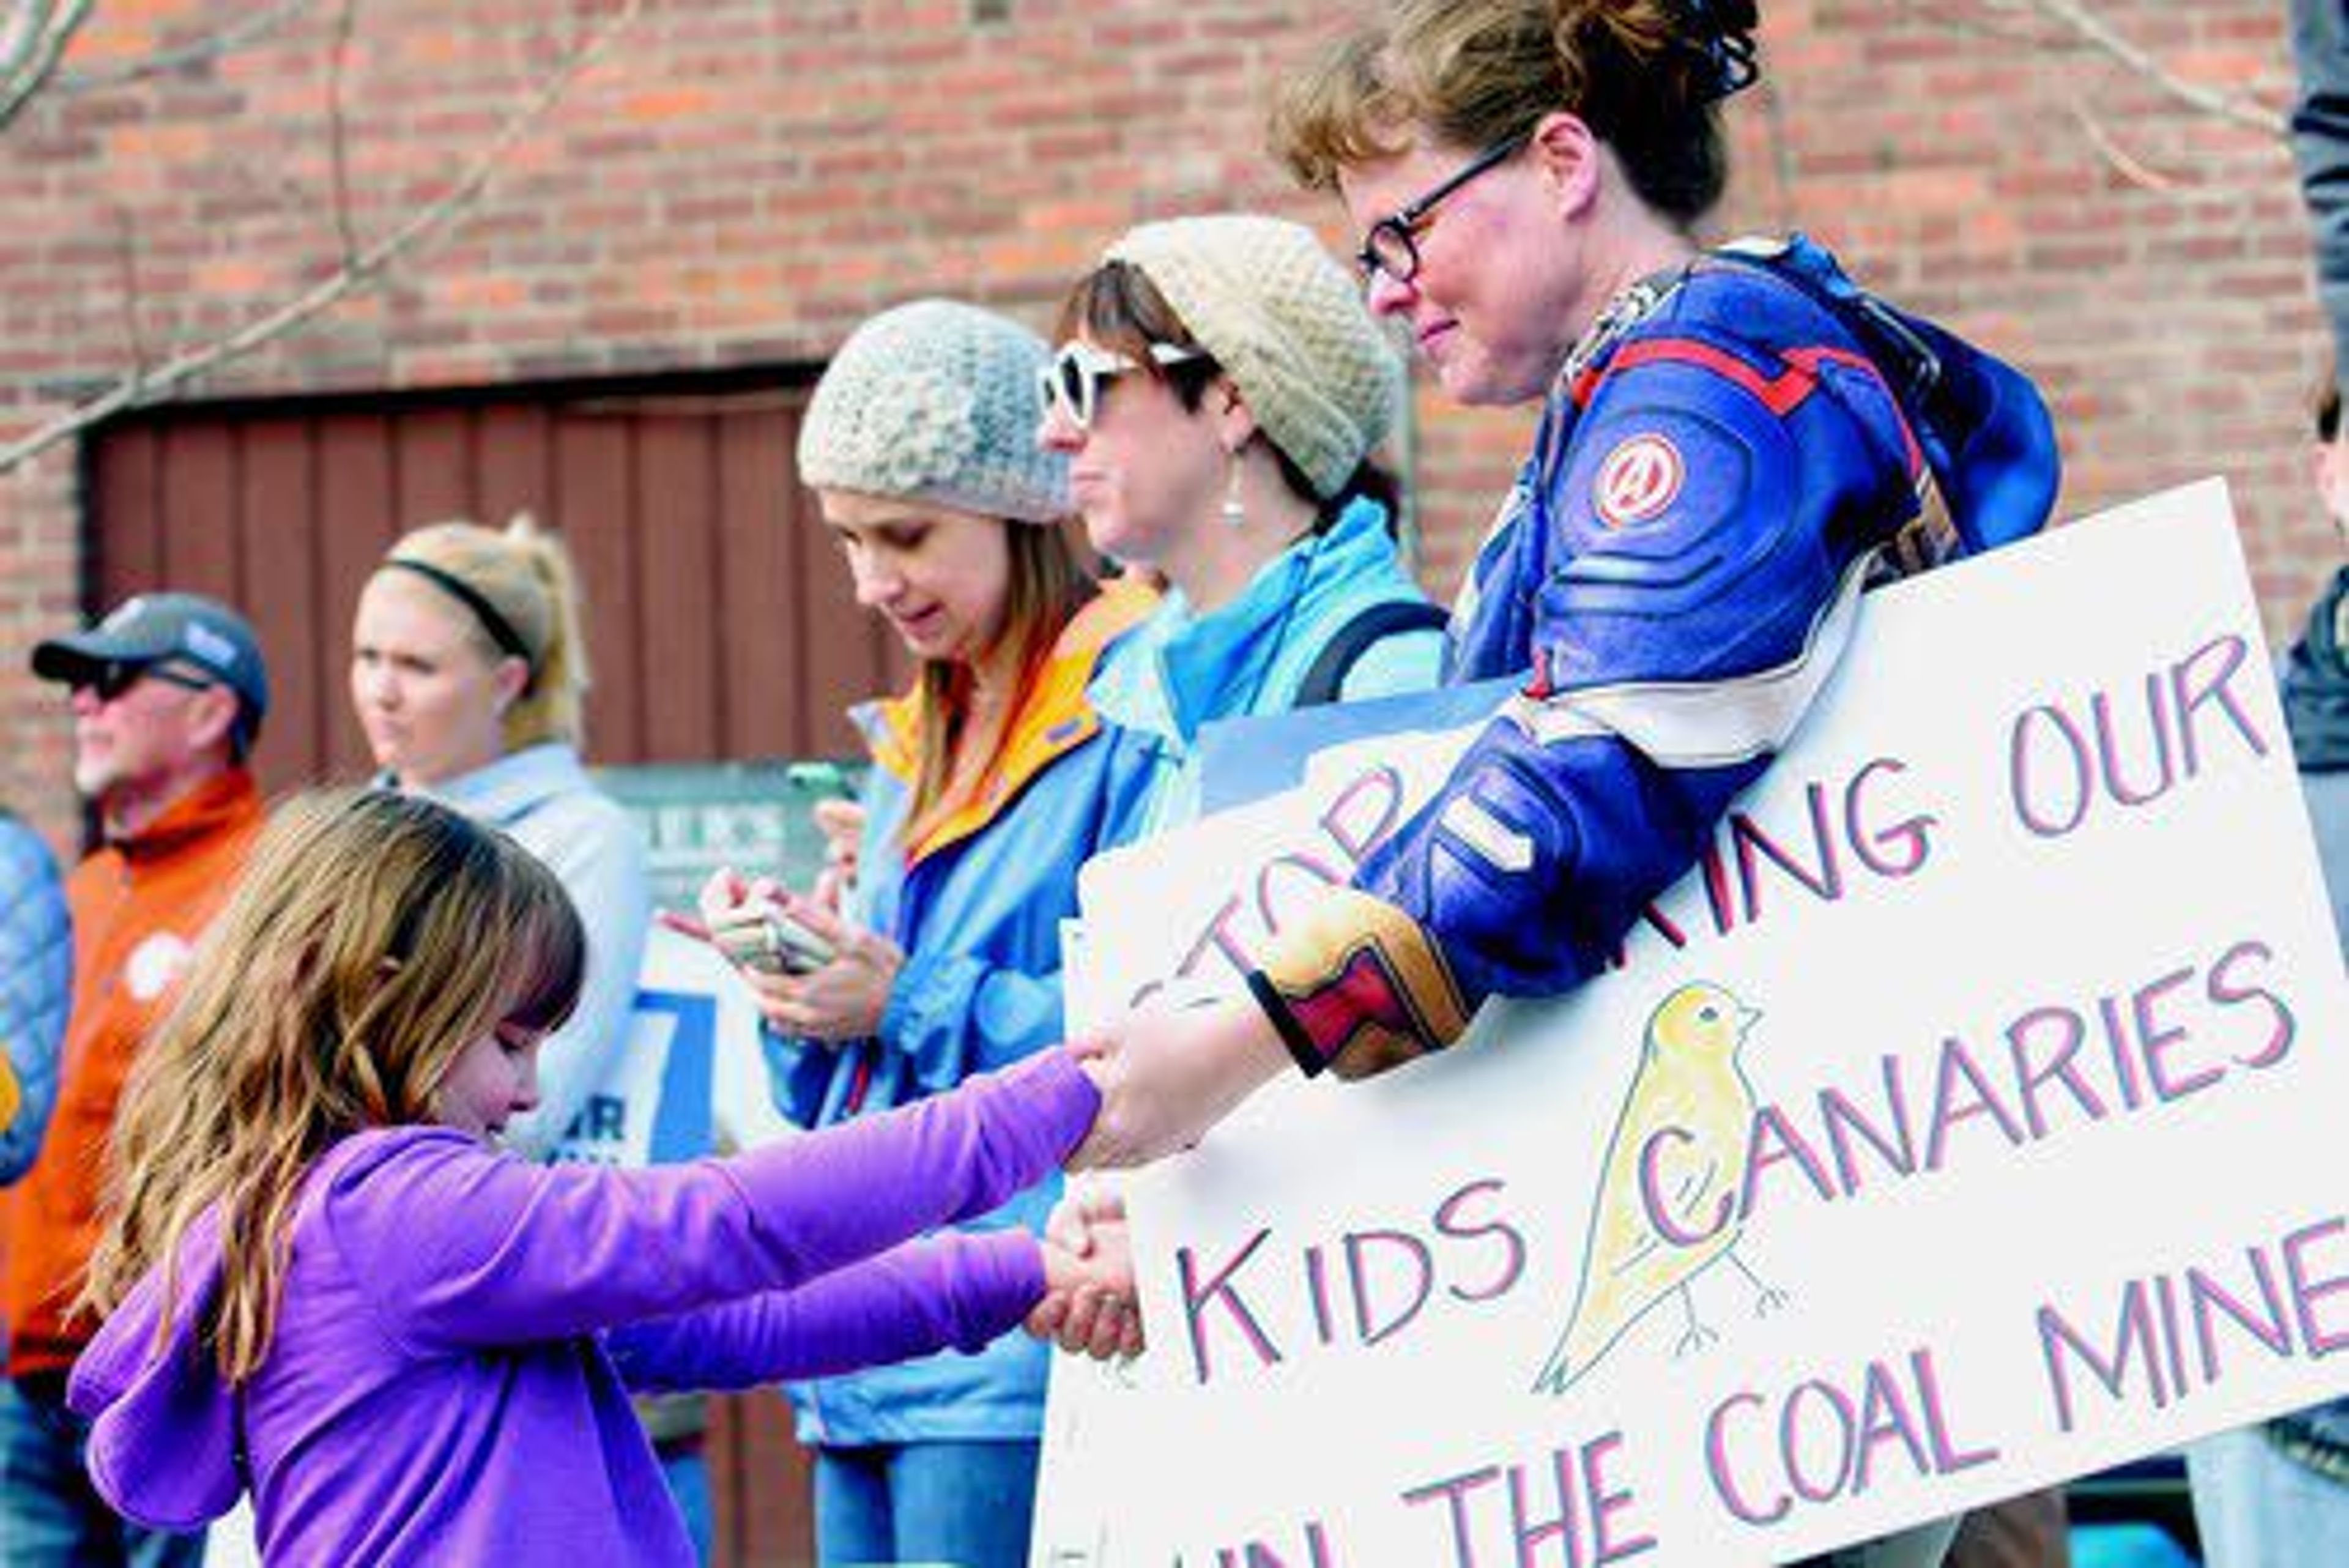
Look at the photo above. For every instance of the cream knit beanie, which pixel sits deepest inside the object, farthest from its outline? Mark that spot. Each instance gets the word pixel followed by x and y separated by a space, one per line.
pixel 1287 326
pixel 935 400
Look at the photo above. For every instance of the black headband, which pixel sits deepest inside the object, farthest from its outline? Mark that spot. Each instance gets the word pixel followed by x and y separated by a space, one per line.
pixel 501 629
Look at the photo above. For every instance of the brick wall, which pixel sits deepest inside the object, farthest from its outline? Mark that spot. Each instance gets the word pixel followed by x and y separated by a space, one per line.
pixel 738 181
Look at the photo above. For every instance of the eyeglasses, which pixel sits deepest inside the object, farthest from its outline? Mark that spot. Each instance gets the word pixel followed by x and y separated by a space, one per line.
pixel 1392 246
pixel 112 680
pixel 1072 379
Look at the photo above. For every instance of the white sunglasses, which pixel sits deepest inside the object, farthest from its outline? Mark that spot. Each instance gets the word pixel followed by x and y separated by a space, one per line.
pixel 1072 379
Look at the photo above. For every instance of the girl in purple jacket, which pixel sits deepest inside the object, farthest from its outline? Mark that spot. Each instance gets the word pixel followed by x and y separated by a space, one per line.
pixel 327 1287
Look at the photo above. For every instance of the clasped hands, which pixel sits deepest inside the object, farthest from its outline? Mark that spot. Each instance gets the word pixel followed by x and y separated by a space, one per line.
pixel 1164 1077
pixel 1089 1305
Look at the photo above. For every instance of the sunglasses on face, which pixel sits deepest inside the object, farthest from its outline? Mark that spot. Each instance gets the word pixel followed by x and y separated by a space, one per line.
pixel 1072 379
pixel 1392 246
pixel 112 680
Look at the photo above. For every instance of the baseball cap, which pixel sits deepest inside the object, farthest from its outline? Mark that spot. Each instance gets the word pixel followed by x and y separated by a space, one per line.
pixel 186 629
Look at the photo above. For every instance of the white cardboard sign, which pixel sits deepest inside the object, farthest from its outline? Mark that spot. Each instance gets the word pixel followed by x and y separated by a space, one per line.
pixel 1969 1121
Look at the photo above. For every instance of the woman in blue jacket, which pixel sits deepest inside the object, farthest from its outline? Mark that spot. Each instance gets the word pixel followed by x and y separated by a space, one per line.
pixel 993 779
pixel 1218 391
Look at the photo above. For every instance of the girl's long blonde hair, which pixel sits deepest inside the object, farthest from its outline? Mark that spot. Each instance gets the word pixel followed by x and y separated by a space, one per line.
pixel 371 938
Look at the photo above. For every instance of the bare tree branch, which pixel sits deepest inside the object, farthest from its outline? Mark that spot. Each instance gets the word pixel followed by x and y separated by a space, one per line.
pixel 2035 38
pixel 209 47
pixel 34 50
pixel 2092 29
pixel 364 267
pixel 2143 175
pixel 21 25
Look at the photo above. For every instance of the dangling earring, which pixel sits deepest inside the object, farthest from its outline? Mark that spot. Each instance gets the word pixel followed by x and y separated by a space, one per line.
pixel 1234 510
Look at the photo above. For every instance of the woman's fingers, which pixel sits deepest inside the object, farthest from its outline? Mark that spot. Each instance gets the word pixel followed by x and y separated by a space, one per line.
pixel 821 921
pixel 725 889
pixel 687 925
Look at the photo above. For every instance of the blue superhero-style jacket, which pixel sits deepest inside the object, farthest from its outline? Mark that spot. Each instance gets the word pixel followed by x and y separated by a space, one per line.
pixel 1180 670
pixel 1733 452
pixel 976 905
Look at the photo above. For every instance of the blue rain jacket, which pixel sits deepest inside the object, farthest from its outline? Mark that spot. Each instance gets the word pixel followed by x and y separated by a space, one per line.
pixel 976 907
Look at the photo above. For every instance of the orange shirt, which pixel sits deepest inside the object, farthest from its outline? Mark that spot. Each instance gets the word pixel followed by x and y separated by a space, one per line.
pixel 138 907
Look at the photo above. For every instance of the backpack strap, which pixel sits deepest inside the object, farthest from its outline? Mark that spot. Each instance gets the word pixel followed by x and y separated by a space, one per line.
pixel 1372 625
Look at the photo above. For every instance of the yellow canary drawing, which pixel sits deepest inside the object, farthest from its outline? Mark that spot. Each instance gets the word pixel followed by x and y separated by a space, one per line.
pixel 1667 1207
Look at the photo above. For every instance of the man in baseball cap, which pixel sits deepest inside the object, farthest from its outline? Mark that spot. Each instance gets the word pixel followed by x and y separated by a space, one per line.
pixel 178 639
pixel 168 693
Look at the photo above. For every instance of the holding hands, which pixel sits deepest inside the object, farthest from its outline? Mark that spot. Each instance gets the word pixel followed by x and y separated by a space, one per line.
pixel 1089 1306
pixel 1166 1076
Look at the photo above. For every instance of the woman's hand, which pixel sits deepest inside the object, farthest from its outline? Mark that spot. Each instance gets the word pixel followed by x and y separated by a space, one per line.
pixel 1166 1076
pixel 717 902
pixel 841 823
pixel 844 999
pixel 723 897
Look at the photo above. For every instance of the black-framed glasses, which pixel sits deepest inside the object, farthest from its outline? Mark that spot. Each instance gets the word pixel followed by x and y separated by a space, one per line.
pixel 1392 246
pixel 115 676
pixel 1070 381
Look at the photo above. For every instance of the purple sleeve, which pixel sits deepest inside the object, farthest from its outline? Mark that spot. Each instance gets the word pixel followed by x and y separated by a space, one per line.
pixel 463 1247
pixel 957 1291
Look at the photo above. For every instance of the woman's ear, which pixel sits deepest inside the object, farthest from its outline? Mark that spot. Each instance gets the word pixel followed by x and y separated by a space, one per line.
pixel 1567 155
pixel 509 680
pixel 1235 424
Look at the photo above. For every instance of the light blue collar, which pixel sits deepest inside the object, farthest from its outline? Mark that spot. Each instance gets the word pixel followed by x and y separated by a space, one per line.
pixel 514 786
pixel 1180 670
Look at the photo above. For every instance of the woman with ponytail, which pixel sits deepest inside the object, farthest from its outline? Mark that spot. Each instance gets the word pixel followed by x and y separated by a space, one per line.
pixel 469 672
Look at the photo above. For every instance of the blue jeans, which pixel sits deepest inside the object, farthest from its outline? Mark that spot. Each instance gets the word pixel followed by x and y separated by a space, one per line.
pixel 965 1504
pixel 49 1513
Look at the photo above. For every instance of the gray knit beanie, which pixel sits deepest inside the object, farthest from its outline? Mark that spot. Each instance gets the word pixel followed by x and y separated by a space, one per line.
pixel 935 400
pixel 1287 326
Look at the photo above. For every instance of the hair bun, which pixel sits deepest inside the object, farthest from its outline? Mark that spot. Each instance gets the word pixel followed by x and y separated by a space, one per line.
pixel 1724 31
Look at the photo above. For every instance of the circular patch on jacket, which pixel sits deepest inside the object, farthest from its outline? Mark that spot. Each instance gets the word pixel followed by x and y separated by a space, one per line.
pixel 1638 480
pixel 154 964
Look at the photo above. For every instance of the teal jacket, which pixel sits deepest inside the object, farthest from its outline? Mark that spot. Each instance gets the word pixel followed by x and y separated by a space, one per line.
pixel 1180 670
pixel 977 905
